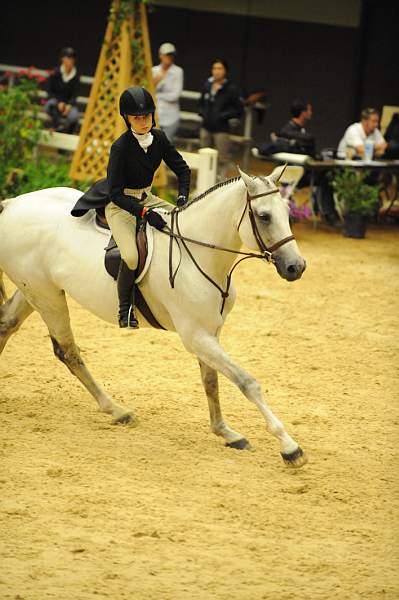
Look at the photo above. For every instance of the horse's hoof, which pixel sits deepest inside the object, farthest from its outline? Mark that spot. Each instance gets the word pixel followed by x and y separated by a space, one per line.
pixel 126 419
pixel 295 459
pixel 241 444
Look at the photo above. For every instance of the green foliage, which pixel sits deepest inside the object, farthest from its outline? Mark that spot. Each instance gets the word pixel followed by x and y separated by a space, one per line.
pixel 21 169
pixel 20 126
pixel 354 196
pixel 40 174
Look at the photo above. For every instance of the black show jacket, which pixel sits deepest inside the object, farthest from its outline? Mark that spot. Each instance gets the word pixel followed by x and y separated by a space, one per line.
pixel 130 167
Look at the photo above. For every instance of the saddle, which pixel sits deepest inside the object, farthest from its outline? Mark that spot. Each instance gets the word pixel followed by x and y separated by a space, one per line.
pixel 112 261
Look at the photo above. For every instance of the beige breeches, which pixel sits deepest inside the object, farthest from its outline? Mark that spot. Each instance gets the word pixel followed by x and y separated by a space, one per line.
pixel 123 226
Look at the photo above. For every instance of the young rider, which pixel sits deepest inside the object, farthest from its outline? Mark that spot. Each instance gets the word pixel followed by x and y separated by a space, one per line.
pixel 126 192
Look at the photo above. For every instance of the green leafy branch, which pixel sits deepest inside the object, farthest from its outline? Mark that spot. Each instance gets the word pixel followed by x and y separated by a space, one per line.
pixel 354 195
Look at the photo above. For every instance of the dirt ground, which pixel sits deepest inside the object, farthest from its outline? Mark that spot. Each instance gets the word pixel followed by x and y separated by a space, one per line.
pixel 164 511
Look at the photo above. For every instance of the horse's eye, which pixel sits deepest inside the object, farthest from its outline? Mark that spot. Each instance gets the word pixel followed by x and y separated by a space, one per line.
pixel 265 218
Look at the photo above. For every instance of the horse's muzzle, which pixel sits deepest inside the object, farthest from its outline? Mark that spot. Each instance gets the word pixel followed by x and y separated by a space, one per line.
pixel 290 270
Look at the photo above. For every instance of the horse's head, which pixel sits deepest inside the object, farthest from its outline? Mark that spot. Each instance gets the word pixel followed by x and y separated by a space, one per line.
pixel 268 225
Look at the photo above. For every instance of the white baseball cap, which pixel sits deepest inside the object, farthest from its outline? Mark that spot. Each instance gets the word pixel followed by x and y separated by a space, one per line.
pixel 167 48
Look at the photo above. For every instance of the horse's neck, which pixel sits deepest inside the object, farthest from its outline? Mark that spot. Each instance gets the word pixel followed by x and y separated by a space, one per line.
pixel 213 219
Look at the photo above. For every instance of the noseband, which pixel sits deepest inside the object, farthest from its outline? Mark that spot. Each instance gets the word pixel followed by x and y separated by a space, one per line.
pixel 267 251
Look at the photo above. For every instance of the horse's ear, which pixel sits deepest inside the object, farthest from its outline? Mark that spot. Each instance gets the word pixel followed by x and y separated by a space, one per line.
pixel 275 176
pixel 246 178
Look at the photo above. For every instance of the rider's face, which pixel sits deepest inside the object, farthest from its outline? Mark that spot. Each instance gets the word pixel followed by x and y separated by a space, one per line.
pixel 141 124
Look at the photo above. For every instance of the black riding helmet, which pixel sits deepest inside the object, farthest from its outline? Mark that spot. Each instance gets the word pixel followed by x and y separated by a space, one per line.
pixel 136 101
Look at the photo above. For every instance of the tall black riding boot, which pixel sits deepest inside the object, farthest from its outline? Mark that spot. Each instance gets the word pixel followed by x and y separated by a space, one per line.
pixel 125 286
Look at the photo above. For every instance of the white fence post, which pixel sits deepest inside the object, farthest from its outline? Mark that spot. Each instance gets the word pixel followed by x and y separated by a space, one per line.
pixel 206 177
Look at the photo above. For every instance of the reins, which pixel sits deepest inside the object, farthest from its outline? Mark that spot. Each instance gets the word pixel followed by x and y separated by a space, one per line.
pixel 265 252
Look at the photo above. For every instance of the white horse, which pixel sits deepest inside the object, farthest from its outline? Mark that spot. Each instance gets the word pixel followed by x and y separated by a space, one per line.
pixel 47 253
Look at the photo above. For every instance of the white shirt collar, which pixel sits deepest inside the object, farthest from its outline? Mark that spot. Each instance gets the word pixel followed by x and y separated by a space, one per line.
pixel 145 140
pixel 67 76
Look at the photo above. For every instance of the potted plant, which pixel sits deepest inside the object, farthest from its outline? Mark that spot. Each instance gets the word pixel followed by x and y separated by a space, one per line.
pixel 356 200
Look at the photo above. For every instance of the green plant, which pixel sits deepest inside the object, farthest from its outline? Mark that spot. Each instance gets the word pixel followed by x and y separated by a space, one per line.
pixel 42 173
pixel 353 195
pixel 20 126
pixel 21 169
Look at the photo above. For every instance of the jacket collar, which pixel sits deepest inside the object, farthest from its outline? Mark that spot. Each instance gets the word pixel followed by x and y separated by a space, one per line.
pixel 225 83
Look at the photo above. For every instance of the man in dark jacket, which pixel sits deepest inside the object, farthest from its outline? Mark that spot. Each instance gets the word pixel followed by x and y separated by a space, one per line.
pixel 62 88
pixel 292 136
pixel 294 131
pixel 220 104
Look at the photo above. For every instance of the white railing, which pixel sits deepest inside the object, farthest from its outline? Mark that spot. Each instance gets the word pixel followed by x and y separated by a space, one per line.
pixel 204 161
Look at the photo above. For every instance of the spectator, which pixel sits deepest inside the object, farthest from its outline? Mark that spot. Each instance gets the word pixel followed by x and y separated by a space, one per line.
pixel 294 131
pixel 293 136
pixel 62 88
pixel 220 104
pixel 168 81
pixel 365 131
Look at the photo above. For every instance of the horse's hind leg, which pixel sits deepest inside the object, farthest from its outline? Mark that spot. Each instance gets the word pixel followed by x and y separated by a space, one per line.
pixel 218 426
pixel 12 314
pixel 54 312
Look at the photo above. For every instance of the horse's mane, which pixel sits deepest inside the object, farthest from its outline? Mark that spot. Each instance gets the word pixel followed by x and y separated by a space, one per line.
pixel 207 192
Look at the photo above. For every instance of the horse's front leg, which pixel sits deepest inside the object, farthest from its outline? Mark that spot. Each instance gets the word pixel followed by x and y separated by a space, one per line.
pixel 218 426
pixel 209 351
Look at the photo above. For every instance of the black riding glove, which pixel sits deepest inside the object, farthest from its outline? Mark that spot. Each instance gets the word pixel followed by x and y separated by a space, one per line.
pixel 155 219
pixel 181 200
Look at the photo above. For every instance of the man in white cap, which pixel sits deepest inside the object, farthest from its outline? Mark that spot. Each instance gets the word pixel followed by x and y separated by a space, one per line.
pixel 168 81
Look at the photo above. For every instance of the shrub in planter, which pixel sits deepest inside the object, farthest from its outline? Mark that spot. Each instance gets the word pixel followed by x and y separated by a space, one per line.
pixel 356 201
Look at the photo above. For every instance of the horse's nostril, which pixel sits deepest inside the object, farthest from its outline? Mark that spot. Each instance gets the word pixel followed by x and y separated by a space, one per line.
pixel 292 269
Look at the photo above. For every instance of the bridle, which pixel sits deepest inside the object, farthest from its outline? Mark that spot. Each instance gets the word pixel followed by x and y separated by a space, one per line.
pixel 261 245
pixel 266 253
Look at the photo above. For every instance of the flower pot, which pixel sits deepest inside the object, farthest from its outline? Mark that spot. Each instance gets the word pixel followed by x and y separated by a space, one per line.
pixel 355 226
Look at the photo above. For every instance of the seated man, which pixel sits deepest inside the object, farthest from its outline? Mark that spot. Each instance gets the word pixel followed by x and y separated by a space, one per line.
pixel 62 88
pixel 365 131
pixel 294 131
pixel 293 136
